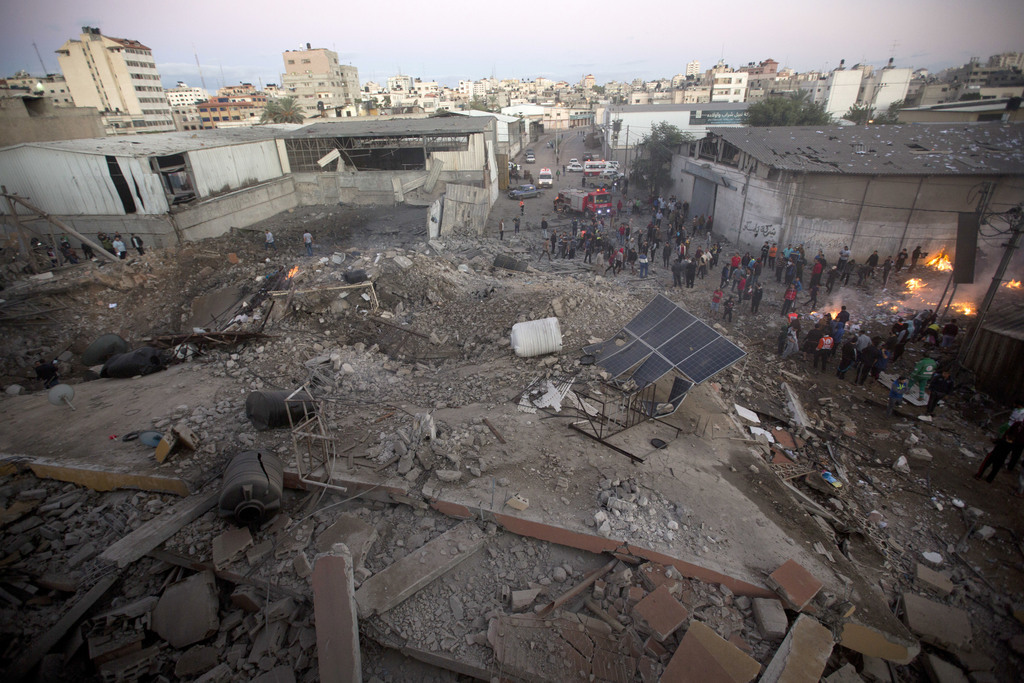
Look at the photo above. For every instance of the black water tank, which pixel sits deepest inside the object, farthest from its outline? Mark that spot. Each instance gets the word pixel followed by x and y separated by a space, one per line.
pixel 269 410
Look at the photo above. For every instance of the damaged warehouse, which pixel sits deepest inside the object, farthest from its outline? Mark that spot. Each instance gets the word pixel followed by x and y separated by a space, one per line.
pixel 440 515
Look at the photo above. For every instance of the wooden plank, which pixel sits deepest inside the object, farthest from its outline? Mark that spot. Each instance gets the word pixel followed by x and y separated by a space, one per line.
pixel 154 532
pixel 46 642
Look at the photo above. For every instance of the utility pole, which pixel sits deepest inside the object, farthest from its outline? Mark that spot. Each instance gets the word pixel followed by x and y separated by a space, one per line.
pixel 1016 219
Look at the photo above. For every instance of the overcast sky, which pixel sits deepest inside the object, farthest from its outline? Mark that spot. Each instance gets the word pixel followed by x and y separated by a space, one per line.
pixel 473 39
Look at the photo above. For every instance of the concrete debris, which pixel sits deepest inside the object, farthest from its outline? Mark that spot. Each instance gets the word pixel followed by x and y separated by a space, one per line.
pixel 802 655
pixel 932 581
pixel 399 581
pixel 230 546
pixel 357 535
pixel 771 618
pixel 704 656
pixel 794 584
pixel 337 625
pixel 661 613
pixel 941 671
pixel 188 611
pixel 936 623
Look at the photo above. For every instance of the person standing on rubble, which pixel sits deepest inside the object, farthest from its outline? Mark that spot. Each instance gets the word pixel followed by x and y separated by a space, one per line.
pixel 914 258
pixel 847 358
pixel 939 388
pixel 901 260
pixel 515 225
pixel 716 298
pixel 501 229
pixel 119 247
pixel 824 349
pixel 137 243
pixel 269 241
pixel 997 456
pixel 868 356
pixel 755 298
pixel 886 267
pixel 788 299
pixel 727 308
pixel 896 391
pixel 307 239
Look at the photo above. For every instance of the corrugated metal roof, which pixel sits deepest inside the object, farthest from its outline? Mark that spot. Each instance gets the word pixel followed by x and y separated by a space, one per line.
pixel 1006 317
pixel 914 149
pixel 974 106
pixel 356 128
pixel 159 144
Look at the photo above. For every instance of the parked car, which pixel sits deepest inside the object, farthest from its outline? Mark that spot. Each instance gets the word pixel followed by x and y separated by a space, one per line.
pixel 574 160
pixel 611 174
pixel 524 192
pixel 574 166
pixel 529 156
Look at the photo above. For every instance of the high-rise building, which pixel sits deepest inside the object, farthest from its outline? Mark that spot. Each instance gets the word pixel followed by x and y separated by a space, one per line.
pixel 692 69
pixel 117 76
pixel 183 96
pixel 319 83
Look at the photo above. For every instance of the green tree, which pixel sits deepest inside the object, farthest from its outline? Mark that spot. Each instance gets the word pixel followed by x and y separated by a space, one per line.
pixel 598 89
pixel 892 114
pixel 284 110
pixel 478 104
pixel 652 167
pixel 861 114
pixel 791 110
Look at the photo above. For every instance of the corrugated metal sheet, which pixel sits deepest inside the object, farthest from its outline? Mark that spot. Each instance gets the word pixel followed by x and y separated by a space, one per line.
pixel 163 144
pixel 465 209
pixel 472 159
pixel 68 184
pixel 228 168
pixel 916 149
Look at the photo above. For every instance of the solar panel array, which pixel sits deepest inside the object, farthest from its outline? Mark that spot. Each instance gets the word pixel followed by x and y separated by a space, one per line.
pixel 661 337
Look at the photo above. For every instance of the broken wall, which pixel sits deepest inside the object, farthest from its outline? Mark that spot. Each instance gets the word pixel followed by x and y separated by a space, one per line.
pixel 465 210
pixel 216 216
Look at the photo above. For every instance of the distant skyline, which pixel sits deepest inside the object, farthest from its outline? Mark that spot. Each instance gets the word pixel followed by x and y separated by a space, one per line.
pixel 460 39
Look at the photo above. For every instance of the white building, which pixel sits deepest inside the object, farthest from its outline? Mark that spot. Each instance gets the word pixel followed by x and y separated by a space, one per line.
pixel 884 87
pixel 182 96
pixel 729 87
pixel 837 92
pixel 692 69
pixel 400 83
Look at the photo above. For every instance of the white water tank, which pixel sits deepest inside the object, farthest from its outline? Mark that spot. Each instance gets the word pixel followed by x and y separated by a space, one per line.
pixel 536 337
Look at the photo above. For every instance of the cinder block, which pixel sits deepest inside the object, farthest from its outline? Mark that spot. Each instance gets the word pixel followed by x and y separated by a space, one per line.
pixel 771 618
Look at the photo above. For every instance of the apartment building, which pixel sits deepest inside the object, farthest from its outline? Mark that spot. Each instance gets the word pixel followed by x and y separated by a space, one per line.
pixel 692 69
pixel 729 87
pixel 234 106
pixel 51 86
pixel 117 76
pixel 320 84
pixel 182 96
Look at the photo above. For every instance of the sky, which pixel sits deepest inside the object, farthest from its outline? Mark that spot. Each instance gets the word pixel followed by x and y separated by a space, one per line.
pixel 450 40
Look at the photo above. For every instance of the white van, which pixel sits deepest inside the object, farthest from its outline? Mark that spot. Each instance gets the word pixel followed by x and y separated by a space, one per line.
pixel 544 178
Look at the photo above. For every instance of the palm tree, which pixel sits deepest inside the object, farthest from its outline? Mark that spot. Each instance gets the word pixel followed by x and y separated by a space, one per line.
pixel 284 110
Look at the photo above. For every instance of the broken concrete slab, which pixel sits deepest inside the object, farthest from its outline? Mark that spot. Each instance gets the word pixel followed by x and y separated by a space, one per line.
pixel 357 535
pixel 187 611
pixel 154 532
pixel 941 671
pixel 281 674
pixel 794 584
pixel 936 623
pixel 523 599
pixel 703 656
pixel 335 612
pixel 230 545
pixel 384 590
pixel 872 641
pixel 661 612
pixel 771 618
pixel 803 654
pixel 876 669
pixel 932 581
pixel 196 661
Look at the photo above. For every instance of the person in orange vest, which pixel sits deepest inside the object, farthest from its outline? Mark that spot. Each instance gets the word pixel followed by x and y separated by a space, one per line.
pixel 824 350
pixel 522 207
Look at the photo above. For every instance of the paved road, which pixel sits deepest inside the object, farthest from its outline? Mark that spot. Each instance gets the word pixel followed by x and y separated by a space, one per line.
pixel 570 146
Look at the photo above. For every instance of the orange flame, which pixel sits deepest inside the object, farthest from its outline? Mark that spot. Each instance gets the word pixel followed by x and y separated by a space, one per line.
pixel 914 283
pixel 1012 284
pixel 293 272
pixel 963 309
pixel 941 261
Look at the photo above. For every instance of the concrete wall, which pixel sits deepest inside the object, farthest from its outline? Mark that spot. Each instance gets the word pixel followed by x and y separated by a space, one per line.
pixel 828 212
pixel 18 125
pixel 155 231
pixel 214 217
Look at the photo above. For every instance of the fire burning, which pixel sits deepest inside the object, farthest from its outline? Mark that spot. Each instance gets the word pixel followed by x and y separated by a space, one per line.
pixel 293 272
pixel 963 309
pixel 914 283
pixel 941 261
pixel 1012 284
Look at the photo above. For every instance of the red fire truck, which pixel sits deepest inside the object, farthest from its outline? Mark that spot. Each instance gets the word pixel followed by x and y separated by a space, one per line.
pixel 589 203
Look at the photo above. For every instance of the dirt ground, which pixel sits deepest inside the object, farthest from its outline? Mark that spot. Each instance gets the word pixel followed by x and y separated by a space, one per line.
pixel 439 345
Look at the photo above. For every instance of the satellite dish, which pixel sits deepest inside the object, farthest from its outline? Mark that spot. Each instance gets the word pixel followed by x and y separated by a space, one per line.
pixel 61 394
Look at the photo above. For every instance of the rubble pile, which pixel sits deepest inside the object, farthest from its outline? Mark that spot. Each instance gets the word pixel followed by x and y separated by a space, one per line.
pixel 463 535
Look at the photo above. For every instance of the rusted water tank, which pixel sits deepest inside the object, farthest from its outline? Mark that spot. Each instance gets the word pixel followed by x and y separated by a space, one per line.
pixel 251 490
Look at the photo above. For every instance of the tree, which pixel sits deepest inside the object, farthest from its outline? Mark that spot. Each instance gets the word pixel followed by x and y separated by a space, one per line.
pixel 284 110
pixel 792 110
pixel 861 114
pixel 478 104
pixel 653 165
pixel 892 114
pixel 598 89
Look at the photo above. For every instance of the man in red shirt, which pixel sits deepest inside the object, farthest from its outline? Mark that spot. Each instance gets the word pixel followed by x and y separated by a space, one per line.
pixel 789 299
pixel 715 299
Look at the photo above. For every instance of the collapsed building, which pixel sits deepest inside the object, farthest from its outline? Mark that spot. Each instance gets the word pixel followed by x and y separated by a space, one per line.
pixel 644 500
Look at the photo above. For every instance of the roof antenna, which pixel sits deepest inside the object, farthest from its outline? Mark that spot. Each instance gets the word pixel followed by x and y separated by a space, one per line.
pixel 46 71
pixel 201 79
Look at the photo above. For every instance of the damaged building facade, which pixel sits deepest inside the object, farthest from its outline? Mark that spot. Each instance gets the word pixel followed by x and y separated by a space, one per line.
pixel 175 187
pixel 881 188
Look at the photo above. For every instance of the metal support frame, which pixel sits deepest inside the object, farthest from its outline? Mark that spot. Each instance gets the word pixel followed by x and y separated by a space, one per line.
pixel 314 445
pixel 627 411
